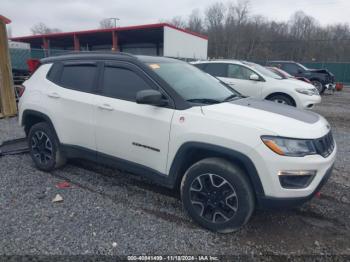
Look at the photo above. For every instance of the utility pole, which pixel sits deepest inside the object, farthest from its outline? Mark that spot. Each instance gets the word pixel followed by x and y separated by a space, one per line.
pixel 115 19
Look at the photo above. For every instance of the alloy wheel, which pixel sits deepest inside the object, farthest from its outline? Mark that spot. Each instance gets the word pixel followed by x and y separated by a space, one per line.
pixel 213 198
pixel 280 101
pixel 42 147
pixel 318 85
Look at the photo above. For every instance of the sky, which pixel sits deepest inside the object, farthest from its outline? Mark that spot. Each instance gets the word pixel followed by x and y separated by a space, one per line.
pixel 73 15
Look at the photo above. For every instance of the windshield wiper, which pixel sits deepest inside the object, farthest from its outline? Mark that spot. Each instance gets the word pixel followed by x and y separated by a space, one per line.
pixel 204 100
pixel 230 97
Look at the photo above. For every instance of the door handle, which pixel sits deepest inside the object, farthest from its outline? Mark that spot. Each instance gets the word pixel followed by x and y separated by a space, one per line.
pixel 106 107
pixel 53 95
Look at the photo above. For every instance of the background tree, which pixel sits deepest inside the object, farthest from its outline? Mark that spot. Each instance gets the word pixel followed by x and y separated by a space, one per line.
pixel 195 21
pixel 107 23
pixel 41 28
pixel 235 33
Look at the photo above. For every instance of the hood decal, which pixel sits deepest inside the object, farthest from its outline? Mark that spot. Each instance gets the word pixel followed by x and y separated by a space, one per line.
pixel 288 111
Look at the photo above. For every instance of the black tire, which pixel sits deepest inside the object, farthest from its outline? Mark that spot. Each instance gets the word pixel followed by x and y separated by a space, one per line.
pixel 44 147
pixel 320 87
pixel 230 194
pixel 281 99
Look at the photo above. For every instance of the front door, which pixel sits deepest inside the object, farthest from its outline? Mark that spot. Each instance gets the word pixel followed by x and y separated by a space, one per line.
pixel 238 77
pixel 126 130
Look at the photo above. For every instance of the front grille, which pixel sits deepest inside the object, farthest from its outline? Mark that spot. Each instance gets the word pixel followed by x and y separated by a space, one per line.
pixel 325 145
pixel 330 79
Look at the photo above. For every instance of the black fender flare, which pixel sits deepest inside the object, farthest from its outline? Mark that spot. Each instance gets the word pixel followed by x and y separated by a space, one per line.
pixel 243 159
pixel 28 113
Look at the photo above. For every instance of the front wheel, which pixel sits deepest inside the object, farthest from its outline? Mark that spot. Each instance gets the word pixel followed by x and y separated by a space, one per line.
pixel 217 195
pixel 318 86
pixel 281 99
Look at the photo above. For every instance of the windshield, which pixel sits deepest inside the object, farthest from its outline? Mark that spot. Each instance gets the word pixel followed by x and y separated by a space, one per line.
pixel 303 67
pixel 264 71
pixel 192 84
pixel 280 72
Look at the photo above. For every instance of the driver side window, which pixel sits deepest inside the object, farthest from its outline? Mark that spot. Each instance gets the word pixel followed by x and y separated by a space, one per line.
pixel 122 83
pixel 290 68
pixel 239 72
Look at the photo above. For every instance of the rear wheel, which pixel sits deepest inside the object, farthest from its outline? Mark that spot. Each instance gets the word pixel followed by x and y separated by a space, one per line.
pixel 217 195
pixel 281 99
pixel 319 86
pixel 44 147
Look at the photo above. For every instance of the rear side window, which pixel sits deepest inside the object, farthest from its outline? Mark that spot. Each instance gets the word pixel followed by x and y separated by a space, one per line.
pixel 79 77
pixel 53 74
pixel 290 68
pixel 216 69
pixel 122 83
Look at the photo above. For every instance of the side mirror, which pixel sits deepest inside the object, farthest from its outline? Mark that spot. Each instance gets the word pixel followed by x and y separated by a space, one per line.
pixel 254 77
pixel 300 71
pixel 151 97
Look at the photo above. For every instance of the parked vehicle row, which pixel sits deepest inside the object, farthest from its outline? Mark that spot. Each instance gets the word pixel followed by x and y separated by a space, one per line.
pixel 168 121
pixel 286 75
pixel 322 79
pixel 256 81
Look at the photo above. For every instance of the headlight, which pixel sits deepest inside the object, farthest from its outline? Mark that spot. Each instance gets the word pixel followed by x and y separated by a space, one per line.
pixel 289 146
pixel 309 92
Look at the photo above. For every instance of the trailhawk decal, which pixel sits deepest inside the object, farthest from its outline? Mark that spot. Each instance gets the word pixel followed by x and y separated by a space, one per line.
pixel 145 146
pixel 284 110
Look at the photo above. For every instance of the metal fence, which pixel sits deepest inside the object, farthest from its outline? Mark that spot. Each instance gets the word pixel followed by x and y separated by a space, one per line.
pixel 19 59
pixel 19 56
pixel 340 70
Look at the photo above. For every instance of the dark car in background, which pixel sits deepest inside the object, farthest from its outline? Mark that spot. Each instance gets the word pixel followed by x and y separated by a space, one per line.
pixel 322 79
pixel 286 75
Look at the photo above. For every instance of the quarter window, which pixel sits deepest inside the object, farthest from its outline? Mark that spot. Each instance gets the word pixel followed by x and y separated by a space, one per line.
pixel 53 74
pixel 79 77
pixel 216 69
pixel 122 83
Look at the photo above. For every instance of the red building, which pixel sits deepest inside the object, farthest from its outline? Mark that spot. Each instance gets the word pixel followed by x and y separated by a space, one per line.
pixel 152 39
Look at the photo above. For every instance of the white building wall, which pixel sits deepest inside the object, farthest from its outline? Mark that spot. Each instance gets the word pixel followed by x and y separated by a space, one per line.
pixel 184 45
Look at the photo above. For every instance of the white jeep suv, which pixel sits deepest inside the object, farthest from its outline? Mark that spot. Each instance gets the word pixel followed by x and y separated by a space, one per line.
pixel 168 121
pixel 256 81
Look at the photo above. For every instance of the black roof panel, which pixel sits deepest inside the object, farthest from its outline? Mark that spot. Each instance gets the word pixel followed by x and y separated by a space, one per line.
pixel 105 55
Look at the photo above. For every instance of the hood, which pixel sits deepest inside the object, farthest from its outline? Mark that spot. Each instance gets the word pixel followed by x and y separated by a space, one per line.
pixel 296 83
pixel 272 118
pixel 320 71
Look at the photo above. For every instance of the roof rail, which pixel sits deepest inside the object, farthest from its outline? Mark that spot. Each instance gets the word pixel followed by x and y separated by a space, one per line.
pixel 96 52
pixel 82 54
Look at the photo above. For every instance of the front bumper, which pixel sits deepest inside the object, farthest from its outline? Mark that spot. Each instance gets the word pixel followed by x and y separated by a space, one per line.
pixel 330 86
pixel 264 202
pixel 269 164
pixel 308 102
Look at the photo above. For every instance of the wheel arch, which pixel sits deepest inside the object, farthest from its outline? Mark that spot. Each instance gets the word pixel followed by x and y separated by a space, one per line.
pixel 283 94
pixel 32 117
pixel 192 152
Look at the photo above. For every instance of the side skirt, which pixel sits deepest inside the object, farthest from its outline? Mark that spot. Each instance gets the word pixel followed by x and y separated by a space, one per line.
pixel 78 152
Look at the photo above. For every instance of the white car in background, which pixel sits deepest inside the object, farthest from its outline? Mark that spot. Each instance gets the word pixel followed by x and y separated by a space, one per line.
pixel 256 81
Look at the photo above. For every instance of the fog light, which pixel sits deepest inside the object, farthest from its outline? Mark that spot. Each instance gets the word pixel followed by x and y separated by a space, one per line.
pixel 296 179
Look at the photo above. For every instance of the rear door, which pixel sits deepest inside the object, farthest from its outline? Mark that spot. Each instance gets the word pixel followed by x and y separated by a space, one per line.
pixel 69 99
pixel 237 76
pixel 126 130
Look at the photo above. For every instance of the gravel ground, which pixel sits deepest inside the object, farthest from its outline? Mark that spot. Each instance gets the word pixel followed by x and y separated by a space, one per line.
pixel 110 213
